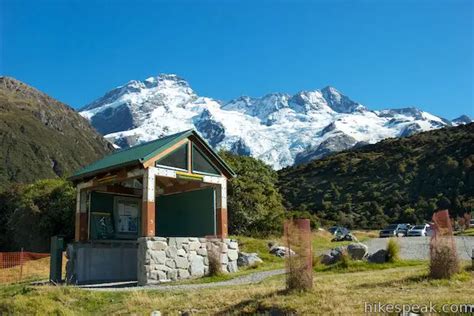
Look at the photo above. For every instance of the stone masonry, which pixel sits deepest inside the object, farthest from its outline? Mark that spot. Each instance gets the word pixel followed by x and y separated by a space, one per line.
pixel 163 259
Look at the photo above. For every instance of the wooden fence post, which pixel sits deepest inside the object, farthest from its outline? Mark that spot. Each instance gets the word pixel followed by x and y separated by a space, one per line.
pixel 21 264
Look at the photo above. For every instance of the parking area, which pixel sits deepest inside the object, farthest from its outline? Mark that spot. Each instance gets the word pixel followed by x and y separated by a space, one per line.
pixel 419 247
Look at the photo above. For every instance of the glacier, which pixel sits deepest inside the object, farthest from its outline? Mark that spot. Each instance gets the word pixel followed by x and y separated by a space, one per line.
pixel 279 129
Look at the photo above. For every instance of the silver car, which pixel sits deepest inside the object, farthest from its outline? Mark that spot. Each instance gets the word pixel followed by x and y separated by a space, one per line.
pixel 418 230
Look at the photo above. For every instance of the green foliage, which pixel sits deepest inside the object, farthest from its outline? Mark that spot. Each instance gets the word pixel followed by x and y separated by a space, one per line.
pixel 393 250
pixel 33 213
pixel 253 201
pixel 396 180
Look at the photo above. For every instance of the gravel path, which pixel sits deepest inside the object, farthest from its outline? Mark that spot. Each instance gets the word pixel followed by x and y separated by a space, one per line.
pixel 419 247
pixel 242 280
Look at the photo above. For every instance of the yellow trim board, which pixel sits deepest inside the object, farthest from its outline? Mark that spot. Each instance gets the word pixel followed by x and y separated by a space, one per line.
pixel 189 176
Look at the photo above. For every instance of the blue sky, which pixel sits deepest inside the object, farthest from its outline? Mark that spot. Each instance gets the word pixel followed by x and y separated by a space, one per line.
pixel 380 53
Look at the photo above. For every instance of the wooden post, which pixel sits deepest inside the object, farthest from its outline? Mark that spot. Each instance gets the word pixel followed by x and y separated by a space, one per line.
pixel 81 225
pixel 221 210
pixel 21 264
pixel 148 208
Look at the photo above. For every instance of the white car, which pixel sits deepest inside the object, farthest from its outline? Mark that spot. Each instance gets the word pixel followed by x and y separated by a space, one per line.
pixel 419 230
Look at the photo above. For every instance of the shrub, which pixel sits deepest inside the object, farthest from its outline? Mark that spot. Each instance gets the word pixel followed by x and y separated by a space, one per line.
pixel 255 206
pixel 299 276
pixel 443 259
pixel 393 250
pixel 345 260
pixel 213 255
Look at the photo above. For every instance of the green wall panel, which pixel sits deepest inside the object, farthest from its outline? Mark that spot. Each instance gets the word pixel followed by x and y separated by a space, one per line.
pixel 102 216
pixel 189 214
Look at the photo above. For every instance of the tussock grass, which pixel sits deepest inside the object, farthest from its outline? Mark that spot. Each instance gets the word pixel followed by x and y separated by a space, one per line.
pixel 333 293
pixel 393 250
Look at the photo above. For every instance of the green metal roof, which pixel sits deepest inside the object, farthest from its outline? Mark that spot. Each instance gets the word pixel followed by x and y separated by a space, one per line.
pixel 141 153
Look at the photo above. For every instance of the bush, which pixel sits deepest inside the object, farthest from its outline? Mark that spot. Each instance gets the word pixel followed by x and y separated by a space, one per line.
pixel 344 260
pixel 393 250
pixel 444 261
pixel 39 211
pixel 254 204
pixel 213 255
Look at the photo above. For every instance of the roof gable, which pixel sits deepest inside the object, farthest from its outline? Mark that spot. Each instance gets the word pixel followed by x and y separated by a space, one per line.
pixel 142 153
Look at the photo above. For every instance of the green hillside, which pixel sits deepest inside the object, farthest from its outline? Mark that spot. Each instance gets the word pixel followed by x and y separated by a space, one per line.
pixel 41 137
pixel 394 180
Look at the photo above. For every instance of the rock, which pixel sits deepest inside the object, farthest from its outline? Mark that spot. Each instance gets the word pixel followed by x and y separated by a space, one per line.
pixel 182 263
pixel 224 248
pixel 181 253
pixel 281 251
pixel 170 263
pixel 158 238
pixel 224 258
pixel 327 259
pixel 379 256
pixel 197 266
pixel 233 245
pixel 158 275
pixel 337 252
pixel 248 259
pixel 233 255
pixel 202 251
pixel 159 245
pixel 195 245
pixel 183 274
pixel 172 274
pixel 232 266
pixel 357 251
pixel 158 256
pixel 171 252
pixel 161 267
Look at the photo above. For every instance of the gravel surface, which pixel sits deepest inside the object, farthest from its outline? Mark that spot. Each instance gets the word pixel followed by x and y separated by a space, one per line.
pixel 242 280
pixel 419 247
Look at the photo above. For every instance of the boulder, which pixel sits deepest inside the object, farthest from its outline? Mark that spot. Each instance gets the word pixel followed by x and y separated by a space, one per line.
pixel 281 251
pixel 379 256
pixel 248 259
pixel 357 251
pixel 327 259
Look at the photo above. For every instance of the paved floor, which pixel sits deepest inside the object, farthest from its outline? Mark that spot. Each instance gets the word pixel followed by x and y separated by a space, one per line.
pixel 242 280
pixel 419 247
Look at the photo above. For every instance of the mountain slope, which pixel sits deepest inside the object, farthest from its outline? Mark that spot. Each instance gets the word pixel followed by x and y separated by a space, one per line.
pixel 41 137
pixel 393 180
pixel 278 128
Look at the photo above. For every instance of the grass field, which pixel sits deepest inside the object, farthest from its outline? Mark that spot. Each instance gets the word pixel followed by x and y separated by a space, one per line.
pixel 333 292
pixel 336 290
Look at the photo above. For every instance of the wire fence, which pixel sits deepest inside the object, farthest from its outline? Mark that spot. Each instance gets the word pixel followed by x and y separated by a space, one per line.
pixel 23 266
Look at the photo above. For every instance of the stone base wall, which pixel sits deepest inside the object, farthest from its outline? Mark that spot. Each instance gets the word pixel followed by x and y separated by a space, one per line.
pixel 161 259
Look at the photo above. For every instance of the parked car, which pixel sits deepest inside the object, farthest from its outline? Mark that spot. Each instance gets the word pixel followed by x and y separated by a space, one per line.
pixel 471 223
pixel 338 230
pixel 341 234
pixel 395 230
pixel 419 230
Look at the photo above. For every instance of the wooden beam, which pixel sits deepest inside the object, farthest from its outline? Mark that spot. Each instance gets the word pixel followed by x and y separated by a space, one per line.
pixel 151 162
pixel 81 231
pixel 148 206
pixel 221 210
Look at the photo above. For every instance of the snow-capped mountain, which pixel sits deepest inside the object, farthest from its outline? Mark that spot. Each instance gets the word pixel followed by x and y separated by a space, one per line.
pixel 278 128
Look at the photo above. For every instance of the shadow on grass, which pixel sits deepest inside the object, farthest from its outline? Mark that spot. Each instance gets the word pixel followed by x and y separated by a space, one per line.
pixel 254 306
